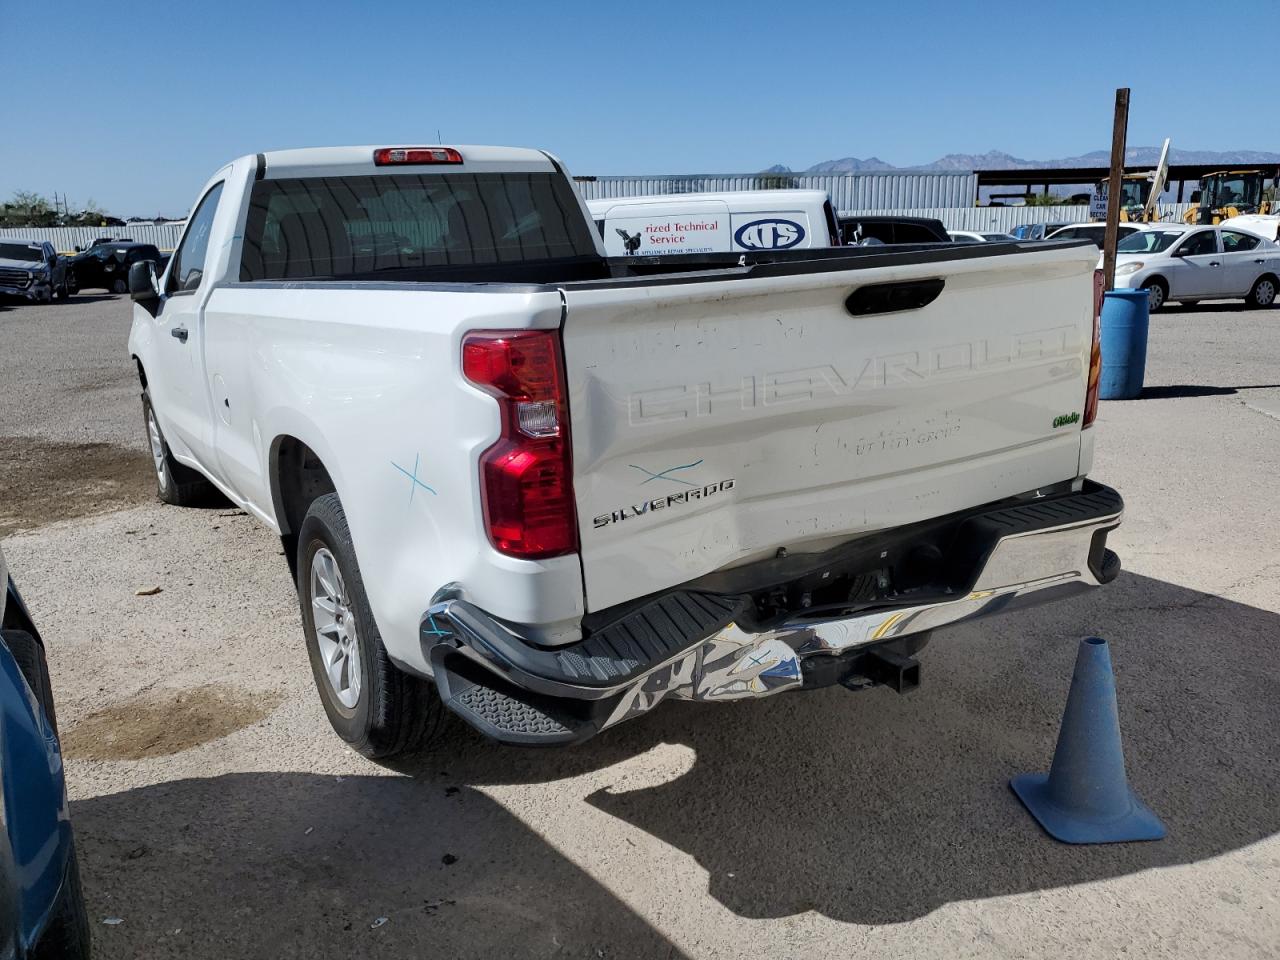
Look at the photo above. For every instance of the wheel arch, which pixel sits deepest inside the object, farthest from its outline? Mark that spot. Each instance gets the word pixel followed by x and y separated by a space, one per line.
pixel 299 475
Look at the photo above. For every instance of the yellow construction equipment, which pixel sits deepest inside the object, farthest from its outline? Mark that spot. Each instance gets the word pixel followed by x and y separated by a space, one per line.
pixel 1231 193
pixel 1138 192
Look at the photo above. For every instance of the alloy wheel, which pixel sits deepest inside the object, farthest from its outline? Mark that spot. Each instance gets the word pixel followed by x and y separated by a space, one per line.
pixel 336 635
pixel 157 448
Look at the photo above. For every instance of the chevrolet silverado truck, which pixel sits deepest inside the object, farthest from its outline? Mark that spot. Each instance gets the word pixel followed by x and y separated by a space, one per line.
pixel 549 489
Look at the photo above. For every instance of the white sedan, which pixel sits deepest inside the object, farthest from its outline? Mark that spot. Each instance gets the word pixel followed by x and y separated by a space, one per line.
pixel 1186 264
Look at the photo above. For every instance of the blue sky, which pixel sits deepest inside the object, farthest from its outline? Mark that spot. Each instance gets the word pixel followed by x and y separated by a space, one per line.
pixel 145 101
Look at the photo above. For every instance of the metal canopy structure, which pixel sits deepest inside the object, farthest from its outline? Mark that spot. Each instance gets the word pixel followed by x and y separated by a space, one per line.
pixel 1043 179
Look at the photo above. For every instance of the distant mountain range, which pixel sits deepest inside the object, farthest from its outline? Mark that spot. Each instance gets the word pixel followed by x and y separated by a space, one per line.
pixel 998 160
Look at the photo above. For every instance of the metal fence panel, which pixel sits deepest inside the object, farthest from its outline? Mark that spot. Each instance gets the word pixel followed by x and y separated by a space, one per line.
pixel 65 239
pixel 1004 219
pixel 863 191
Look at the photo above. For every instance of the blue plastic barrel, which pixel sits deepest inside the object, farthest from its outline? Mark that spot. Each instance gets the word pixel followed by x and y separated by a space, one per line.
pixel 1125 319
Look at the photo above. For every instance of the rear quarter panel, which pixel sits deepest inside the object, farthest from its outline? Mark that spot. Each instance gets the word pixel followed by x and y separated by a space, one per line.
pixel 370 380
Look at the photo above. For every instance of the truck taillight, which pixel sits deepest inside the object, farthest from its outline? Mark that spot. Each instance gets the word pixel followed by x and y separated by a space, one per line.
pixel 413 156
pixel 526 477
pixel 1095 354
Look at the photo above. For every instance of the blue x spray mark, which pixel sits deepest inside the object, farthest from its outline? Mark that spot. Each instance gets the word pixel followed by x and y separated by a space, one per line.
pixel 414 482
pixel 435 631
pixel 663 475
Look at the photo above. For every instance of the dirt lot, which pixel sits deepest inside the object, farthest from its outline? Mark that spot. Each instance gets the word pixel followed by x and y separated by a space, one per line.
pixel 218 816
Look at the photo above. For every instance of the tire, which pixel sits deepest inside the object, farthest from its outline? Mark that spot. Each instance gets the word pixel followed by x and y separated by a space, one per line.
pixel 372 705
pixel 67 935
pixel 1157 294
pixel 72 286
pixel 1263 294
pixel 175 483
pixel 29 655
pixel 119 286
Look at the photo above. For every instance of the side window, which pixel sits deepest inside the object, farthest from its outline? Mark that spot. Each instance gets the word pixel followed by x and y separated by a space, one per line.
pixel 1198 244
pixel 187 268
pixel 1233 242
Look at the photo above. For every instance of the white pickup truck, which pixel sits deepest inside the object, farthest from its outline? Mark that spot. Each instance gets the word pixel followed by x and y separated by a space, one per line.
pixel 561 487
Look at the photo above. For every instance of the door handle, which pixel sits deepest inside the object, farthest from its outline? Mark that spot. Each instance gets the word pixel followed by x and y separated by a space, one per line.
pixel 179 333
pixel 1259 260
pixel 1212 263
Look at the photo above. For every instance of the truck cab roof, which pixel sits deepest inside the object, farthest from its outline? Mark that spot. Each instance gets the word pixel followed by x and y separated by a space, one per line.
pixel 344 161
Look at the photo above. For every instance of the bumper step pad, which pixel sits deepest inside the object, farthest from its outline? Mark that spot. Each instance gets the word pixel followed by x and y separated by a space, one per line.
pixel 507 713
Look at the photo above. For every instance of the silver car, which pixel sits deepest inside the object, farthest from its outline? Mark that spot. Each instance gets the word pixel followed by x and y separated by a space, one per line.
pixel 1175 262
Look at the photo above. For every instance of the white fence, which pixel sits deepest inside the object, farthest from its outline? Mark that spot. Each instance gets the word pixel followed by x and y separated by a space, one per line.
pixel 858 191
pixel 1004 219
pixel 65 239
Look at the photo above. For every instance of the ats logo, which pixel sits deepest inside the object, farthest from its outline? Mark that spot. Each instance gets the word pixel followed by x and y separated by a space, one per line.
pixel 769 234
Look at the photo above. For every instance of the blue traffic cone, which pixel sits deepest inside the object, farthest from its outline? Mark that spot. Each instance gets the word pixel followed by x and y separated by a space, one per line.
pixel 1086 797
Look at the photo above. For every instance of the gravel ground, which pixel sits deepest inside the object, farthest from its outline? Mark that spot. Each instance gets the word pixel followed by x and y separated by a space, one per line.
pixel 219 817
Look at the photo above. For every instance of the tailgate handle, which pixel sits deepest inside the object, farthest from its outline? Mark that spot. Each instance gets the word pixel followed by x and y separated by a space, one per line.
pixel 892 297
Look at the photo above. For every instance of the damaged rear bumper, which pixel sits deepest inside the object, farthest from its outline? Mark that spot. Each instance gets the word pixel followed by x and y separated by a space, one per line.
pixel 757 630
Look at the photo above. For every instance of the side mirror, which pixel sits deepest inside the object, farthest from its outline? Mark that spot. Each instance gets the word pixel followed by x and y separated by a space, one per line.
pixel 79 249
pixel 1178 253
pixel 143 285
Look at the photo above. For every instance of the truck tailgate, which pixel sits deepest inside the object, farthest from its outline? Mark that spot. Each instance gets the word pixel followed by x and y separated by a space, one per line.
pixel 716 421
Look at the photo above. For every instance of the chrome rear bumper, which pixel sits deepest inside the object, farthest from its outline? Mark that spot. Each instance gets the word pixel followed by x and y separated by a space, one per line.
pixel 1050 550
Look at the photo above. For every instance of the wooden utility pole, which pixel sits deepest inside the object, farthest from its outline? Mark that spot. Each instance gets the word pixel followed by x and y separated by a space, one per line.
pixel 1119 132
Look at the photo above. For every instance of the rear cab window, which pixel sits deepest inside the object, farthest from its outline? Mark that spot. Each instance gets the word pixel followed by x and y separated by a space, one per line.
pixel 362 227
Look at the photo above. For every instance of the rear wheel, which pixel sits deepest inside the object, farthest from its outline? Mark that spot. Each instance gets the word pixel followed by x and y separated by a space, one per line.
pixel 175 483
pixel 118 285
pixel 1263 293
pixel 372 704
pixel 1157 294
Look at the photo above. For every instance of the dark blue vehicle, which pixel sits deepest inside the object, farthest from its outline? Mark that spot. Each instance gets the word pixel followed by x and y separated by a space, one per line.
pixel 42 913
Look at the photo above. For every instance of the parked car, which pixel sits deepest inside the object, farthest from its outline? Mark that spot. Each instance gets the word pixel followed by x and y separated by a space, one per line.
pixel 1036 231
pixel 101 240
pixel 42 912
pixel 32 269
pixel 1265 225
pixel 1094 232
pixel 563 487
pixel 976 236
pixel 746 221
pixel 1174 262
pixel 106 265
pixel 882 229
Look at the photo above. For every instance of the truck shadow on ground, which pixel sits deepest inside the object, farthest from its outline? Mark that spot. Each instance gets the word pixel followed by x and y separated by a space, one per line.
pixel 868 808
pixel 874 808
pixel 302 865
